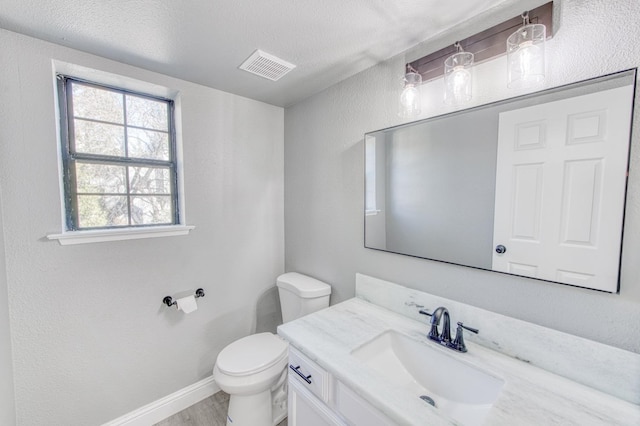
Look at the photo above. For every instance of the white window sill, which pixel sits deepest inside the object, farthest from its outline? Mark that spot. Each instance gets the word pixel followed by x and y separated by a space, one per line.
pixel 101 235
pixel 372 212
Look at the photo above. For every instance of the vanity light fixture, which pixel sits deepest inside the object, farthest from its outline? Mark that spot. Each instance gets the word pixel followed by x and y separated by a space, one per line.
pixel 522 38
pixel 525 55
pixel 410 102
pixel 457 76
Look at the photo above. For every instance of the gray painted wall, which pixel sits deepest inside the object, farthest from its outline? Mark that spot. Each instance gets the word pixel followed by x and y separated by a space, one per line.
pixel 7 399
pixel 441 186
pixel 91 338
pixel 324 182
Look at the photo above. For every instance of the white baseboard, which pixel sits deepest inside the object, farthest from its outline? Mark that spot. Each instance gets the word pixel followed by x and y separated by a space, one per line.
pixel 169 405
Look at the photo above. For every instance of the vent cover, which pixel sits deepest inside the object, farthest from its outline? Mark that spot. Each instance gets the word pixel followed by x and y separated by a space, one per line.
pixel 266 65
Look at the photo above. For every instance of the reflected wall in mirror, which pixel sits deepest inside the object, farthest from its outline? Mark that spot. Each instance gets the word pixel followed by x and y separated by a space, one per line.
pixel 532 186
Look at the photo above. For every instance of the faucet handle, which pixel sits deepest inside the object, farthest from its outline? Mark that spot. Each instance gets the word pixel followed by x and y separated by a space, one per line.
pixel 433 332
pixel 458 341
pixel 471 329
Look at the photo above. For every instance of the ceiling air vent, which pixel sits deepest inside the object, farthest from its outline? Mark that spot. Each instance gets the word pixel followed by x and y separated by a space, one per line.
pixel 266 65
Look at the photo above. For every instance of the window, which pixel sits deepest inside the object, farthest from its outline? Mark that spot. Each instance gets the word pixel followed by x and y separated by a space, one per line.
pixel 118 157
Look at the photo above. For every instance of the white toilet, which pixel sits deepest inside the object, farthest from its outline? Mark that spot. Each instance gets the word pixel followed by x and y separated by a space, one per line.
pixel 253 370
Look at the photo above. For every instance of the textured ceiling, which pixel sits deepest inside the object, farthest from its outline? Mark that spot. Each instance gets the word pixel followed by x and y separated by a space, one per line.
pixel 204 41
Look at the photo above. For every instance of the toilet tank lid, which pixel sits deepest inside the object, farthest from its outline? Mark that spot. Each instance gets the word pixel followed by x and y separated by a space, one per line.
pixel 303 285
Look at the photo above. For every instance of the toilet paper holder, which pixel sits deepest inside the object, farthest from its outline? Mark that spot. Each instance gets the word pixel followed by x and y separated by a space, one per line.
pixel 168 300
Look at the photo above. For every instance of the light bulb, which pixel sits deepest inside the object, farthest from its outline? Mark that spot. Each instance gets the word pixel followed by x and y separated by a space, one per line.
pixel 458 86
pixel 410 101
pixel 457 78
pixel 529 63
pixel 525 56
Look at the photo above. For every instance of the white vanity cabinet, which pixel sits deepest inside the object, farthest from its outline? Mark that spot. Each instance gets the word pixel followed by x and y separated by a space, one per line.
pixel 355 410
pixel 305 409
pixel 316 398
pixel 308 393
pixel 356 390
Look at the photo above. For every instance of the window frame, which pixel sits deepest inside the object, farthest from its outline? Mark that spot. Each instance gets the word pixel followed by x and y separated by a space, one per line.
pixel 70 157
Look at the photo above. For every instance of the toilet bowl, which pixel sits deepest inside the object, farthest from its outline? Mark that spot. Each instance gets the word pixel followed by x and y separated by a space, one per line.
pixel 253 369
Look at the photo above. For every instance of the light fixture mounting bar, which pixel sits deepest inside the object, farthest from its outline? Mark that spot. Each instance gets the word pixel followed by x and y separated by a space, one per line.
pixel 484 45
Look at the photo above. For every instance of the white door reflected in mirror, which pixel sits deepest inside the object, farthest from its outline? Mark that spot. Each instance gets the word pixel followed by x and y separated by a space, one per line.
pixel 560 185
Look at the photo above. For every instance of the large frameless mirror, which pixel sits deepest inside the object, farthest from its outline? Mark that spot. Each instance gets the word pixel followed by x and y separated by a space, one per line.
pixel 532 186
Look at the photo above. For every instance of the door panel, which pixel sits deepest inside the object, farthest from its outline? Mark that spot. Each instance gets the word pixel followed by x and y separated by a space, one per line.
pixel 563 160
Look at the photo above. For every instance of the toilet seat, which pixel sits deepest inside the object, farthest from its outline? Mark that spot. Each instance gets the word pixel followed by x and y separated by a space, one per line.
pixel 252 354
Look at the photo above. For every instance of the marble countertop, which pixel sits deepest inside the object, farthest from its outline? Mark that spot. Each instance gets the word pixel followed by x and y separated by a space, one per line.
pixel 530 395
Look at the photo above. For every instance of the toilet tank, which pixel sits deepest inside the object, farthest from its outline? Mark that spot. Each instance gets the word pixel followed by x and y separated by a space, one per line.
pixel 301 295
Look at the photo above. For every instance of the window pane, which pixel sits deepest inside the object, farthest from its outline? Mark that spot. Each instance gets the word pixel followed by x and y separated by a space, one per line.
pixel 102 211
pixel 148 144
pixel 149 180
pixel 119 165
pixel 147 113
pixel 101 178
pixel 98 138
pixel 97 104
pixel 151 210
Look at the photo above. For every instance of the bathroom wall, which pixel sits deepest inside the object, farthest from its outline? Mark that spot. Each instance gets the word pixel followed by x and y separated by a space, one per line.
pixel 324 178
pixel 7 400
pixel 417 169
pixel 91 338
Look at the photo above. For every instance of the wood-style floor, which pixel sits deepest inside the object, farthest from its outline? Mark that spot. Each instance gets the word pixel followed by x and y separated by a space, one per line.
pixel 208 412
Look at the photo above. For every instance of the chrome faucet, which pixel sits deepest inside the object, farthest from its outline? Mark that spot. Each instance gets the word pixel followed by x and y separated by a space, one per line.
pixel 444 337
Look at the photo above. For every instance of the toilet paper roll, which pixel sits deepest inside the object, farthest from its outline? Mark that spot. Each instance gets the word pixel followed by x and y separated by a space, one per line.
pixel 187 304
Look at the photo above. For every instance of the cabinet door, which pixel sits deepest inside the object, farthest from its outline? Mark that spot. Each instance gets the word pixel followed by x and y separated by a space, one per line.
pixel 317 379
pixel 356 410
pixel 307 410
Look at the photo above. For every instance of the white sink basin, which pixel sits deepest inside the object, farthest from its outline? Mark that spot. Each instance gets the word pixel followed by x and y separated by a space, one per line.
pixel 463 392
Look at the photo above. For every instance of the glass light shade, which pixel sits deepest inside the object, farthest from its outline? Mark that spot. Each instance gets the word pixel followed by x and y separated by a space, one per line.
pixel 525 56
pixel 457 78
pixel 410 102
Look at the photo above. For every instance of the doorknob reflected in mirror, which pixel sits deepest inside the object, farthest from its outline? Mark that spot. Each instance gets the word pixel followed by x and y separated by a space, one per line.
pixel 500 249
